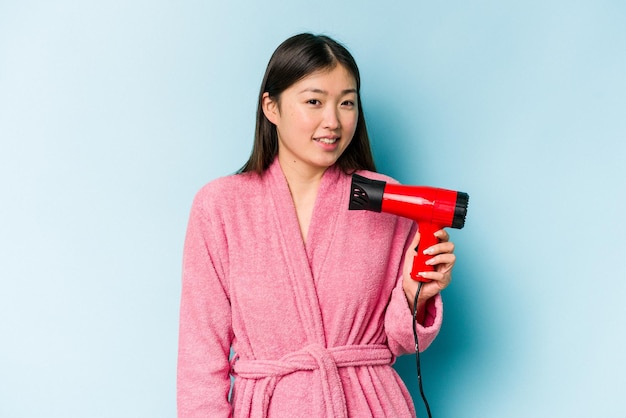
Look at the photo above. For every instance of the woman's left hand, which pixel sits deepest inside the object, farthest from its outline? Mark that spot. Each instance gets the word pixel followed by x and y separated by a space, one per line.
pixel 443 260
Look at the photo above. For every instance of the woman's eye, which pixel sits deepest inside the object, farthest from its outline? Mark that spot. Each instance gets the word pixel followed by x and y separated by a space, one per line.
pixel 349 103
pixel 314 102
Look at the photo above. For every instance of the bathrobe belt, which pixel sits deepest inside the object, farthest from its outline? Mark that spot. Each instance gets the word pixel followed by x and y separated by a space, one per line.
pixel 312 357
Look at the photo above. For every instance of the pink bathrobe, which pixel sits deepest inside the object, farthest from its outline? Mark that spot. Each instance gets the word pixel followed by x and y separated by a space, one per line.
pixel 315 327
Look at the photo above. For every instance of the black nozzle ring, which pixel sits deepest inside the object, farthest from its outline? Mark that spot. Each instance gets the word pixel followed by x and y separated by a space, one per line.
pixel 366 194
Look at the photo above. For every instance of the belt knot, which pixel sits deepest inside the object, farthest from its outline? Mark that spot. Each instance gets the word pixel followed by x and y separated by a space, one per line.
pixel 311 357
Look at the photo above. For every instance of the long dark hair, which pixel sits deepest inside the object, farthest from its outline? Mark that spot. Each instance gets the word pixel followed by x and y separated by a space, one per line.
pixel 294 59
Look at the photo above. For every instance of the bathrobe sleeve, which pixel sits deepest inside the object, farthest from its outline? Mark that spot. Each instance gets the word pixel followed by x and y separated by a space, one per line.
pixel 205 333
pixel 399 319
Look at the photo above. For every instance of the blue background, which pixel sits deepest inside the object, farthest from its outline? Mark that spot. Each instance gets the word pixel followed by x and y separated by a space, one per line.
pixel 113 114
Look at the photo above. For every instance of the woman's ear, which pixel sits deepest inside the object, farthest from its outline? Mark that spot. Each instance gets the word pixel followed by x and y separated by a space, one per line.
pixel 270 108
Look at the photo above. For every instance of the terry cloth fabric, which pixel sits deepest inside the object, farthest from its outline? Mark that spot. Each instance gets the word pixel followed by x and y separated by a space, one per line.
pixel 311 357
pixel 315 326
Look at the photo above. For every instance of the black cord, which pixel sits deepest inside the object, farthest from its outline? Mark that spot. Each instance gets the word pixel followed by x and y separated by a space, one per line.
pixel 417 349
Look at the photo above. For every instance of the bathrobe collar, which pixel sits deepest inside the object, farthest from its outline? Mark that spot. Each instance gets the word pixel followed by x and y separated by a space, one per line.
pixel 330 204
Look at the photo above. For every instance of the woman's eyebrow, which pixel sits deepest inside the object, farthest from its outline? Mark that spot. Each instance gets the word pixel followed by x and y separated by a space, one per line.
pixel 324 92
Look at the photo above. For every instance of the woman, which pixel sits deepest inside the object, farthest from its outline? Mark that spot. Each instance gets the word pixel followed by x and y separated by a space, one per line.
pixel 314 300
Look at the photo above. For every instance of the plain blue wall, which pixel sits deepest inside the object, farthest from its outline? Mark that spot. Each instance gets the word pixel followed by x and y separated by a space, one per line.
pixel 113 114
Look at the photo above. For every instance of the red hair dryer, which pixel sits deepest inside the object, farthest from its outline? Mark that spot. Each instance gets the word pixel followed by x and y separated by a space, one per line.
pixel 432 209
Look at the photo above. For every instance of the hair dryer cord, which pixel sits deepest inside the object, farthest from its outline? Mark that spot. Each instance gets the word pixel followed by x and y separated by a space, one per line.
pixel 417 349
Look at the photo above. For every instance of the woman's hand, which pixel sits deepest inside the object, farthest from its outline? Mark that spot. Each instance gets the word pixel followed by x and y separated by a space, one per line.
pixel 443 260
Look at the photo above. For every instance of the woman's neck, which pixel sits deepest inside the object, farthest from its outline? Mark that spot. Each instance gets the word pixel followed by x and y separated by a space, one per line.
pixel 303 179
pixel 304 182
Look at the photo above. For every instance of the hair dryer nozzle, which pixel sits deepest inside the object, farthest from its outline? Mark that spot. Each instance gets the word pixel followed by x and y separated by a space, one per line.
pixel 366 194
pixel 460 211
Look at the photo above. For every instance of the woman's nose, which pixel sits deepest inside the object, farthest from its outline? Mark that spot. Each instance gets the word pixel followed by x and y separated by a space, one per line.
pixel 331 118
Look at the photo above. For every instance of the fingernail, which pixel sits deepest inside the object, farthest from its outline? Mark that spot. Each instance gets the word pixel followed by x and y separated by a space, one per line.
pixel 429 251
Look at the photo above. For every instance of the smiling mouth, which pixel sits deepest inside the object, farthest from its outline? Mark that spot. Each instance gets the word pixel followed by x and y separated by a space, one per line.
pixel 327 140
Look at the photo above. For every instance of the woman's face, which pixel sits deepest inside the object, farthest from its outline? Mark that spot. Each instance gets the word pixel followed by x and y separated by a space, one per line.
pixel 315 119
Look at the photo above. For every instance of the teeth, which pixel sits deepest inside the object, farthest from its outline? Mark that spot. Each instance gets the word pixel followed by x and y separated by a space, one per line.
pixel 327 140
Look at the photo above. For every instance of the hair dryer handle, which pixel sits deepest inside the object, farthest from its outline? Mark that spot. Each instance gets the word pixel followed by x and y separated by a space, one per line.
pixel 427 240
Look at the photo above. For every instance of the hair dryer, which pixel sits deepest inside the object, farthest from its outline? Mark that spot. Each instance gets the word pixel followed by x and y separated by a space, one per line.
pixel 432 208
